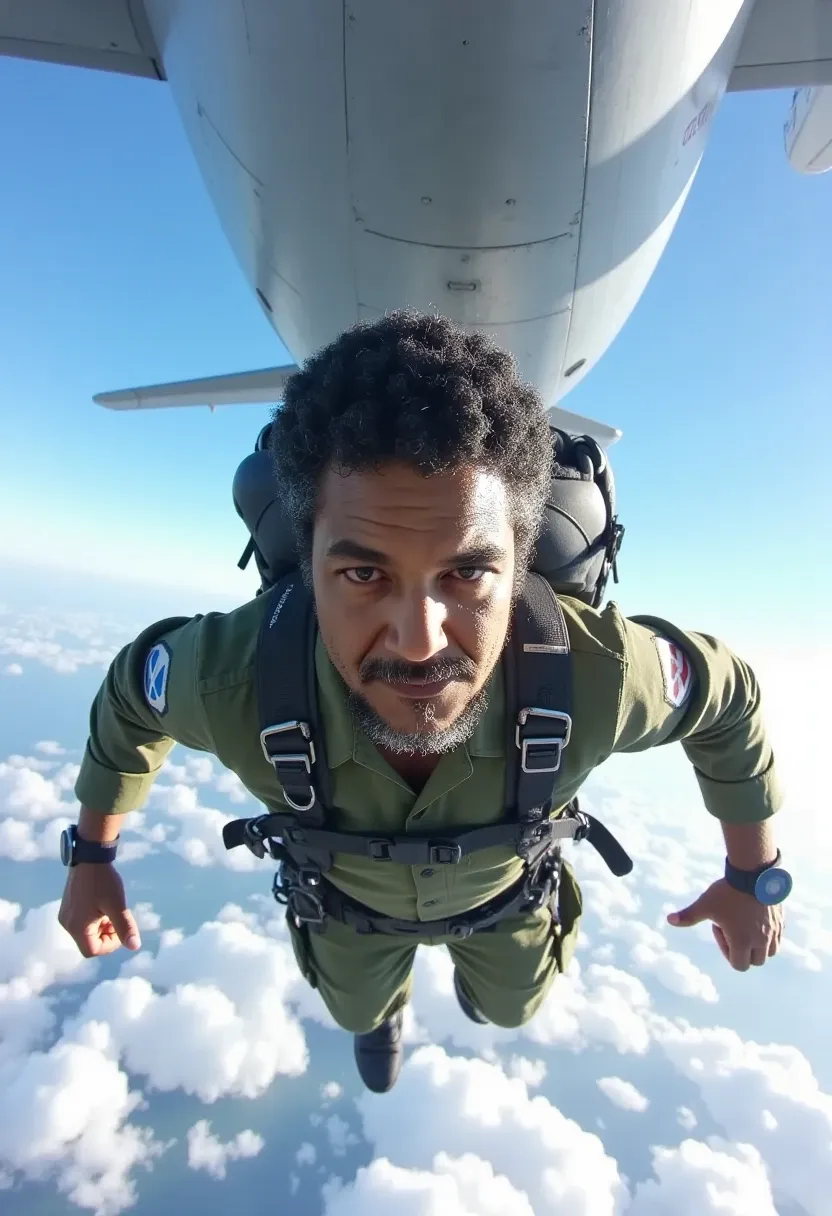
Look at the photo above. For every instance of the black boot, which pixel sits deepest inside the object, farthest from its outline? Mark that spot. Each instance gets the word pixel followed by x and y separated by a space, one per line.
pixel 466 1004
pixel 379 1054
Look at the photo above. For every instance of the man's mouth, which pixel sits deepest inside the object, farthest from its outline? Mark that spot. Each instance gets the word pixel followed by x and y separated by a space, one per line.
pixel 418 690
pixel 408 681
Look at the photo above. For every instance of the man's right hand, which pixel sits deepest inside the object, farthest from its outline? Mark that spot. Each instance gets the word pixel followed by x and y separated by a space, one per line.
pixel 94 910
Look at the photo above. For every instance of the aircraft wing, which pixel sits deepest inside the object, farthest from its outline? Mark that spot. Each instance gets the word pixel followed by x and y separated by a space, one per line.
pixel 239 388
pixel 579 424
pixel 112 35
pixel 266 387
pixel 787 44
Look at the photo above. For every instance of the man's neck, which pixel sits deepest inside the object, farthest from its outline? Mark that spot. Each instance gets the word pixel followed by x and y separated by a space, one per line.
pixel 415 769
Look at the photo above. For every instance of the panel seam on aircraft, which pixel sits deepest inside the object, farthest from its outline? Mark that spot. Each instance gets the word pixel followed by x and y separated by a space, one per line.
pixel 203 113
pixel 587 133
pixel 401 240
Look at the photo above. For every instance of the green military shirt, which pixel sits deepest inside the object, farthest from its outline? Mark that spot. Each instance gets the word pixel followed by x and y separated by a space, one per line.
pixel 627 696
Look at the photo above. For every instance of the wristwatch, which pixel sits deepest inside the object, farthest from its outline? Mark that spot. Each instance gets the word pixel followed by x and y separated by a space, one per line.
pixel 769 884
pixel 75 849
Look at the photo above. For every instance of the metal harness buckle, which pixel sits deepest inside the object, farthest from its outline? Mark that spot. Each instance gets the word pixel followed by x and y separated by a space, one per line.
pixel 295 889
pixel 543 883
pixel 554 743
pixel 445 853
pixel 307 758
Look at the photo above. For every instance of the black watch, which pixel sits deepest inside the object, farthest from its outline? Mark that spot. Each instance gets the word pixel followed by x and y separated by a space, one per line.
pixel 769 884
pixel 75 849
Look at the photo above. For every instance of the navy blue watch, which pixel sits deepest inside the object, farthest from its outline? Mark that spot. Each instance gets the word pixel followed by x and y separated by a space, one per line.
pixel 769 884
pixel 74 849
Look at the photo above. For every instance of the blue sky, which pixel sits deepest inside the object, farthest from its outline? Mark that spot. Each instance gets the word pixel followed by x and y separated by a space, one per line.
pixel 115 272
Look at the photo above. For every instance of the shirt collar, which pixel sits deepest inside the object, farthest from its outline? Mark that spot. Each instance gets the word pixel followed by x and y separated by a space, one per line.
pixel 346 741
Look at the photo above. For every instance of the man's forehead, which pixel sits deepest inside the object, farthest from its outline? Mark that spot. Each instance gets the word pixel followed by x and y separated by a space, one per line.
pixel 463 494
pixel 395 514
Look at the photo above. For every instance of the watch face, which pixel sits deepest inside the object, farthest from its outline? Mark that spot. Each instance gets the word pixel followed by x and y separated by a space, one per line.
pixel 66 847
pixel 773 886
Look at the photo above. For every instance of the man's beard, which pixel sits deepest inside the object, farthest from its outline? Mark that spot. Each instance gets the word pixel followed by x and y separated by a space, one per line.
pixel 423 742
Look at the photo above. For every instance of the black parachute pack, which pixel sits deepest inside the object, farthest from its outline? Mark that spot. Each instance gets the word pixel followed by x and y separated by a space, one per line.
pixel 538 677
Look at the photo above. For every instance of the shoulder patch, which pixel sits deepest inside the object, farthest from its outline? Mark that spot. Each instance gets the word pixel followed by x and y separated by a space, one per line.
pixel 677 672
pixel 156 672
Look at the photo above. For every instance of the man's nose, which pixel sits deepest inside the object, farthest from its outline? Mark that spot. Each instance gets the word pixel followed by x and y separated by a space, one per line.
pixel 416 630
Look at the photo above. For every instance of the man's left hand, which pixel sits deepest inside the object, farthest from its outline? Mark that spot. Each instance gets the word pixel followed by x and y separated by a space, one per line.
pixel 746 931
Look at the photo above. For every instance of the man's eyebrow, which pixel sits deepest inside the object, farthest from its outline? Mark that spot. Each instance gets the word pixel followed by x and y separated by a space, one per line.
pixel 359 553
pixel 485 554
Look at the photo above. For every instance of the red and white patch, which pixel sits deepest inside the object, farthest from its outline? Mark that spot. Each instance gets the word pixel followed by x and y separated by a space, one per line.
pixel 676 670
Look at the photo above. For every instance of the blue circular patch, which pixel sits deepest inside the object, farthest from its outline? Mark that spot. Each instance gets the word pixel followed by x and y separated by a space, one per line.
pixel 156 673
pixel 773 886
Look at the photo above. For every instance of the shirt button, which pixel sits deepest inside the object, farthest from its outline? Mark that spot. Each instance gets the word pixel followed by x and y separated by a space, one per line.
pixel 428 873
pixel 429 903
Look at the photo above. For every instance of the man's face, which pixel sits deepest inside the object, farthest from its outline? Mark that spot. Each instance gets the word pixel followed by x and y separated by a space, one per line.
pixel 413 580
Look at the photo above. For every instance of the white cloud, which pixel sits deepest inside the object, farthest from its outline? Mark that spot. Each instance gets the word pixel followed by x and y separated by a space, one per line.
pixel 207 1152
pixel 30 795
pixel 230 784
pixel 807 960
pixel 13 669
pixel 650 953
pixel 199 840
pixel 48 747
pixel 208 1014
pixel 696 1179
pixel 621 1093
pixel 763 1095
pixel 65 660
pixel 531 1072
pixel 20 841
pixel 64 642
pixel 194 770
pixel 604 954
pixel 339 1134
pixel 147 919
pixel 599 1005
pixel 331 1091
pixel 465 1186
pixel 62 1115
pixel 475 1108
pixel 306 1154
pixel 231 913
pixel 37 951
pixel 674 971
pixel 33 807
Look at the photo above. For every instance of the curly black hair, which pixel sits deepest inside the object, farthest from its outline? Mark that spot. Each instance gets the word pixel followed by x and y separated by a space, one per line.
pixel 415 388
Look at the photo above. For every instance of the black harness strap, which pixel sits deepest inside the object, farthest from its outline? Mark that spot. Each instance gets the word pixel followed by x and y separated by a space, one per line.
pixel 287 697
pixel 433 850
pixel 539 686
pixel 267 833
pixel 314 905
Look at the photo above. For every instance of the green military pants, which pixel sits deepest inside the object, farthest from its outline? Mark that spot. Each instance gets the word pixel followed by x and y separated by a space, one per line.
pixel 507 970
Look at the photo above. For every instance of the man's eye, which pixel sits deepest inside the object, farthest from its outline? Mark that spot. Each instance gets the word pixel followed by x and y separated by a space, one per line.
pixel 470 574
pixel 361 574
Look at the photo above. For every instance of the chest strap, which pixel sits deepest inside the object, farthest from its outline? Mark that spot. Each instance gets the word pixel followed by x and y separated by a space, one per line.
pixel 266 833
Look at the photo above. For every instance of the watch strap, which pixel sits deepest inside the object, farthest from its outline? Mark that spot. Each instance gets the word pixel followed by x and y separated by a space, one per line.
pixel 746 880
pixel 84 851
